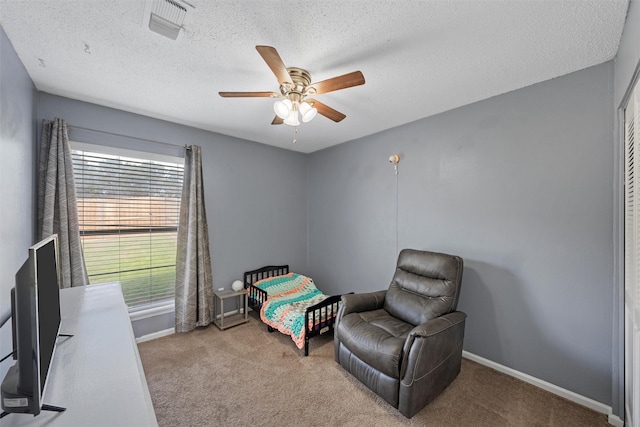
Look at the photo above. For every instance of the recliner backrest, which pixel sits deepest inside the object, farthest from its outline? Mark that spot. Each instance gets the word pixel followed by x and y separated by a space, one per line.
pixel 425 285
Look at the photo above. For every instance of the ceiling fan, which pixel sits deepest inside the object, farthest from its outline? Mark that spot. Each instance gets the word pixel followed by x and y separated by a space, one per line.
pixel 295 89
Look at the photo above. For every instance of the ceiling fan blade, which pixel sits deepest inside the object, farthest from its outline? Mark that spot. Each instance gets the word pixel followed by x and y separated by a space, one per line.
pixel 341 82
pixel 273 60
pixel 277 121
pixel 327 111
pixel 249 94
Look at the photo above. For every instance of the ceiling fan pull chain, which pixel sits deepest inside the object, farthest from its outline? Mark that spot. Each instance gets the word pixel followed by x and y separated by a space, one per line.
pixel 295 133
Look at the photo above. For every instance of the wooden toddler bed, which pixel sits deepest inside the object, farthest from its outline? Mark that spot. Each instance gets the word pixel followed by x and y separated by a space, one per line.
pixel 290 303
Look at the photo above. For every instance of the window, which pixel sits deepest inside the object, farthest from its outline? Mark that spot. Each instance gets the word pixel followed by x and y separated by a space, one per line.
pixel 128 208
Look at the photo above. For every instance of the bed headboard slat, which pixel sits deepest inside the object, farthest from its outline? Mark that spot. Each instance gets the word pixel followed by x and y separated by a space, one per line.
pixel 251 277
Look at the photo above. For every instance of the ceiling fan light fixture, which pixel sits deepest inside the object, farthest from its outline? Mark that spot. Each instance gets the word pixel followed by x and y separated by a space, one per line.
pixel 295 86
pixel 283 108
pixel 307 112
pixel 292 120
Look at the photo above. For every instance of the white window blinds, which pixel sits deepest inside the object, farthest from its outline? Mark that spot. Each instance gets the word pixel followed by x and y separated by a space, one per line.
pixel 128 208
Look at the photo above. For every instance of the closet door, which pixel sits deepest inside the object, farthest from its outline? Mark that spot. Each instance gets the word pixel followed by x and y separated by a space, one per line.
pixel 632 259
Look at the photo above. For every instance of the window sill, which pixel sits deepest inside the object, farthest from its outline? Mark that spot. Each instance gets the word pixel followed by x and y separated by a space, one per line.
pixel 146 311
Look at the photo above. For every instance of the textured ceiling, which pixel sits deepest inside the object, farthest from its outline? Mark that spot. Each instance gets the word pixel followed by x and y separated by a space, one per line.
pixel 419 58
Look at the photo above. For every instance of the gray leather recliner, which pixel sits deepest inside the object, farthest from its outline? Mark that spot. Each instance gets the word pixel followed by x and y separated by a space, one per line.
pixel 405 343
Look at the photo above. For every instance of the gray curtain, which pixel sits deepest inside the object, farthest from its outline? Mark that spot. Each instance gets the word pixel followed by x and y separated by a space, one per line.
pixel 57 206
pixel 194 283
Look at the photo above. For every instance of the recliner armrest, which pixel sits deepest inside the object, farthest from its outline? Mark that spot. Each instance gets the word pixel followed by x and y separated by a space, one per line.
pixel 355 303
pixel 438 324
pixel 445 333
pixel 431 361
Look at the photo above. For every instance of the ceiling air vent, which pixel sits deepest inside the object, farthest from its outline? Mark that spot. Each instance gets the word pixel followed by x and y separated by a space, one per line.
pixel 166 17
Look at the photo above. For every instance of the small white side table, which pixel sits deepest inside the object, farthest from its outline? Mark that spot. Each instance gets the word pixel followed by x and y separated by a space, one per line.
pixel 223 321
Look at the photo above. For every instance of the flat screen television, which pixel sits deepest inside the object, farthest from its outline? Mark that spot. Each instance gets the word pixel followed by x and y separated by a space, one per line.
pixel 35 314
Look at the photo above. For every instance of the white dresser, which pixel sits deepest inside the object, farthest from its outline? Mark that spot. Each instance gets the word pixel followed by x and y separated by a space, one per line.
pixel 96 374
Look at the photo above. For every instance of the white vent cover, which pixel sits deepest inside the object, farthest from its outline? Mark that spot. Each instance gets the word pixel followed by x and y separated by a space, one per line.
pixel 166 17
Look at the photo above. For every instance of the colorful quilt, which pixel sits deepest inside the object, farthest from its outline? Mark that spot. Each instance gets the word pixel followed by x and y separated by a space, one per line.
pixel 288 298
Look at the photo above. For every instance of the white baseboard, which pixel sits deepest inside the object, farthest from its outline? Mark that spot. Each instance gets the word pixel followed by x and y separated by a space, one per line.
pixel 170 331
pixel 155 335
pixel 552 388
pixel 615 420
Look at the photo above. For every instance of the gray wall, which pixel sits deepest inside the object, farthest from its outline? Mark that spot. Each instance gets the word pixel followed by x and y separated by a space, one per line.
pixel 17 151
pixel 519 186
pixel 255 194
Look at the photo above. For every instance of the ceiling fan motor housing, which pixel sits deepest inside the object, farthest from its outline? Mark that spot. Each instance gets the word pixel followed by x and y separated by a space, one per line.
pixel 301 79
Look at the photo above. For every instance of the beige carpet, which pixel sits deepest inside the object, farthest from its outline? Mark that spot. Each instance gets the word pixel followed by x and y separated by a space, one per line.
pixel 245 376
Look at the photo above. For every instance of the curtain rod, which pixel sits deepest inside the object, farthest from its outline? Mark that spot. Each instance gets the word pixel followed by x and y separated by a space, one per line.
pixel 127 136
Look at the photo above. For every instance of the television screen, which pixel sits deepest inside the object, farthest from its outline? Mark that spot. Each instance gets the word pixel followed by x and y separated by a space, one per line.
pixel 48 292
pixel 36 322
